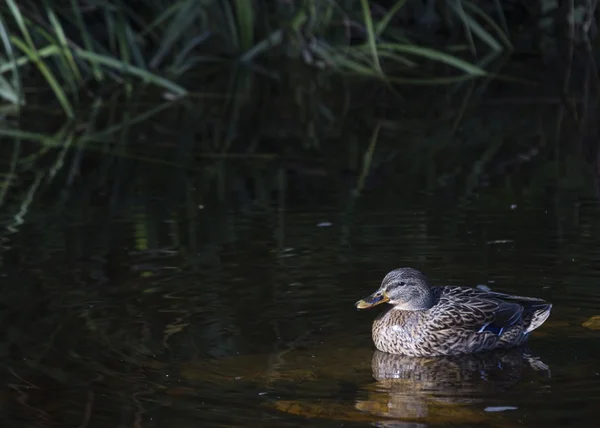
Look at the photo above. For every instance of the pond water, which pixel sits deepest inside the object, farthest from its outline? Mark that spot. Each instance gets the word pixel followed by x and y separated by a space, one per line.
pixel 107 324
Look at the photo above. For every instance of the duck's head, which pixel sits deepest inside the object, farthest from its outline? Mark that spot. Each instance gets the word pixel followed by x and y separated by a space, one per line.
pixel 405 288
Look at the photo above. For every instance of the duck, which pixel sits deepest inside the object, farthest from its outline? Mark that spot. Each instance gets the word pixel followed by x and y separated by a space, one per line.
pixel 426 321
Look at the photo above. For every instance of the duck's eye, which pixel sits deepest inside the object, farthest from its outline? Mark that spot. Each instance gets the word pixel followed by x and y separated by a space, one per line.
pixel 402 283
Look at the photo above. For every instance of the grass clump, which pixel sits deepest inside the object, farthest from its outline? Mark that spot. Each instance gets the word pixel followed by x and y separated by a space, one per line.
pixel 77 48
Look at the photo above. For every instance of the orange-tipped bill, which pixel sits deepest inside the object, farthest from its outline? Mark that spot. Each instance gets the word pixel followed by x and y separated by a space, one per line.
pixel 373 300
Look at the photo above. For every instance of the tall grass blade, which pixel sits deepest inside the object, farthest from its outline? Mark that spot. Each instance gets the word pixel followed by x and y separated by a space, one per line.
pixel 48 75
pixel 181 23
pixel 111 31
pixel 12 93
pixel 231 22
pixel 273 39
pixel 476 28
pixel 60 35
pixel 121 38
pixel 436 56
pixel 63 69
pixel 503 22
pixel 136 53
pixel 159 20
pixel 371 36
pixel 502 34
pixel 384 54
pixel 7 92
pixel 383 24
pixel 244 11
pixel 46 140
pixel 132 70
pixel 182 59
pixel 458 9
pixel 85 34
pixel 25 59
pixel 340 60
pixel 431 81
pixel 18 17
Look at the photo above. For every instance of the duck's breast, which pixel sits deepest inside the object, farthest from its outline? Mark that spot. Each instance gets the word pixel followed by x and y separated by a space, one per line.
pixel 398 332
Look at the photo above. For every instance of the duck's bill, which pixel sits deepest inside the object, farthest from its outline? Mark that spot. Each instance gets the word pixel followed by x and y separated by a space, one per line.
pixel 373 300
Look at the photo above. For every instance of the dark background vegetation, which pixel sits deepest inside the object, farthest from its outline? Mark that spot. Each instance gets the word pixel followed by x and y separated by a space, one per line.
pixel 416 95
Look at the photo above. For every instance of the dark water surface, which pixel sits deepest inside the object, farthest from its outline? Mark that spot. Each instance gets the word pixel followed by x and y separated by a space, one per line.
pixel 256 325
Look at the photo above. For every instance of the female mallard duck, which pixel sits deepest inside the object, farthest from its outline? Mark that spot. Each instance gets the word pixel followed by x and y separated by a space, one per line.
pixel 448 320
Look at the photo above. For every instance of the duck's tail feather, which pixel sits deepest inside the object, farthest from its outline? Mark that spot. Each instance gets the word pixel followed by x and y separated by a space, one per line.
pixel 539 315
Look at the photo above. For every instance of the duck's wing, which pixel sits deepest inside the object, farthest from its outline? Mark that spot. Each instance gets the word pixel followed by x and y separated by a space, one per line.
pixel 535 311
pixel 473 309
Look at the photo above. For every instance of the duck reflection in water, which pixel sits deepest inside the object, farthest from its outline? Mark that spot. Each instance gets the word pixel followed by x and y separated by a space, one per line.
pixel 445 389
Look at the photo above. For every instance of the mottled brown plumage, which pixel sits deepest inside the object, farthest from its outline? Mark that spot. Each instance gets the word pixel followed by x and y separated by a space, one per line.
pixel 449 320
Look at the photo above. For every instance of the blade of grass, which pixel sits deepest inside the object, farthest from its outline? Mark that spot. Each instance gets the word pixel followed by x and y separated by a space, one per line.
pixel 371 37
pixel 60 63
pixel 503 22
pixel 159 20
pixel 483 62
pixel 18 17
pixel 456 5
pixel 407 49
pixel 60 35
pixel 435 56
pixel 231 21
pixel 23 60
pixel 7 92
pixel 46 140
pixel 132 70
pixel 472 25
pixel 48 75
pixel 109 21
pixel 385 54
pixel 136 53
pixel 244 11
pixel 431 81
pixel 273 39
pixel 121 38
pixel 502 34
pixel 385 21
pixel 17 96
pixel 182 21
pixel 342 61
pixel 85 34
pixel 182 58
